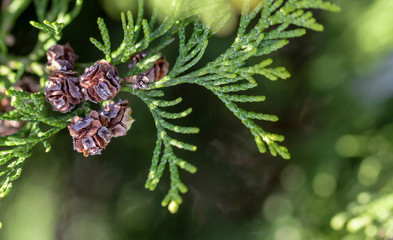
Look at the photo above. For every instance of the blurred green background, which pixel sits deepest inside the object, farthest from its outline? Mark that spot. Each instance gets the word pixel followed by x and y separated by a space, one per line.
pixel 335 111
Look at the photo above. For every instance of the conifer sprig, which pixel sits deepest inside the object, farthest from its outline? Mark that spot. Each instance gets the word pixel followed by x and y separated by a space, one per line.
pixel 229 74
pixel 53 28
pixel 106 47
pixel 29 107
pixel 163 153
pixel 190 52
pixel 131 42
pixel 53 22
pixel 226 76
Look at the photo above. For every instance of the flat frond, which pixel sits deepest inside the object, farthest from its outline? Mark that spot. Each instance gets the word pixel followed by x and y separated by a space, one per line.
pixel 228 74
pixel 164 153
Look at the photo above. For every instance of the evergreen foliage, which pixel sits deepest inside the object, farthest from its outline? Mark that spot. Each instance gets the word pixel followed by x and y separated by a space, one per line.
pixel 227 76
pixel 370 213
pixel 17 147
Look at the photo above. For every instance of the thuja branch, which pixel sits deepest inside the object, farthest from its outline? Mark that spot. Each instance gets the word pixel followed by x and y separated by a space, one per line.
pixel 228 73
pixel 227 76
pixel 163 152
pixel 15 157
pixel 52 24
pixel 29 107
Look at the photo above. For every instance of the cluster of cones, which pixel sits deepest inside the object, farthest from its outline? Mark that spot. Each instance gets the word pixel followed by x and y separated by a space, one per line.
pixel 93 133
pixel 100 82
pixel 66 89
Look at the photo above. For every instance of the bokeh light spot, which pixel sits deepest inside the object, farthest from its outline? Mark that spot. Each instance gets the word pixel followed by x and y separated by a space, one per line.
pixel 371 231
pixel 114 7
pixel 324 184
pixel 375 34
pixel 287 233
pixel 355 224
pixel 364 198
pixel 276 206
pixel 338 221
pixel 348 146
pixel 369 171
pixel 292 178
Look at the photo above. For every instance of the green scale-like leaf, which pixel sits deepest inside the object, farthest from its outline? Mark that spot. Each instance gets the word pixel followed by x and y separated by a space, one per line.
pixel 163 153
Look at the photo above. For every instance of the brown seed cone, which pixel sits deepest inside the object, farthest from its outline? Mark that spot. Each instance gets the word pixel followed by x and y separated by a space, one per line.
pixel 89 136
pixel 61 58
pixel 27 84
pixel 157 72
pixel 117 118
pixel 137 58
pixel 63 91
pixel 5 105
pixel 100 82
pixel 8 127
